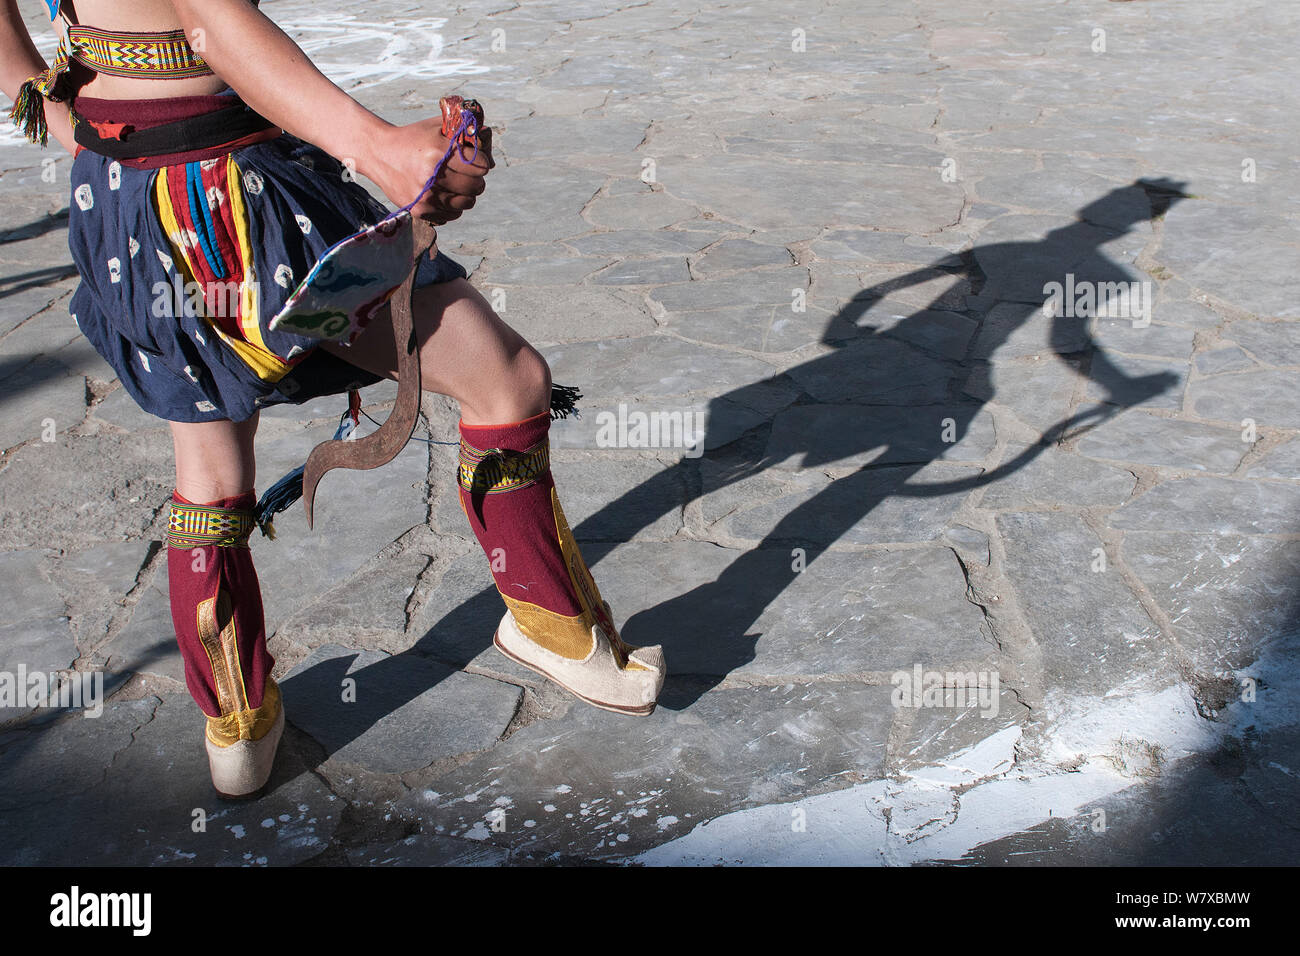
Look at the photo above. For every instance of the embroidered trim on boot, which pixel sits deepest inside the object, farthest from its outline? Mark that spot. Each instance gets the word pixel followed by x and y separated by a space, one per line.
pixel 492 471
pixel 197 526
pixel 249 724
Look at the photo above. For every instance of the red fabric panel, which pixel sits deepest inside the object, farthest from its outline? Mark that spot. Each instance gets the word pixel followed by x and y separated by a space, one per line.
pixel 521 523
pixel 194 575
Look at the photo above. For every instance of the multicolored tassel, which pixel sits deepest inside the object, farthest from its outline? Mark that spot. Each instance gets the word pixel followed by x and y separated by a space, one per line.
pixel 28 111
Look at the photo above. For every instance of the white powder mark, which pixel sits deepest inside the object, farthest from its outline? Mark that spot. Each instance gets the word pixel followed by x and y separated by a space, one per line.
pixel 1093 736
pixel 357 54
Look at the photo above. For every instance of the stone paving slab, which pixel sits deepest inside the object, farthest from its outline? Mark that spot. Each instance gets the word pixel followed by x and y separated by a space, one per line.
pixel 37 636
pixel 393 714
pixel 1181 311
pixel 1220 591
pixel 100 577
pixel 301 564
pixel 456 622
pixel 372 604
pixel 44 333
pixel 1230 358
pixel 747 745
pixel 1264 397
pixel 1221 505
pixel 427 850
pixel 118 498
pixel 38 398
pixel 59 761
pixel 876 506
pixel 1149 440
pixel 1282 462
pixel 1139 382
pixel 1038 390
pixel 145 807
pixel 29 294
pixel 1204 238
pixel 576 315
pixel 146 643
pixel 853 435
pixel 1054 479
pixel 1051 561
pixel 790 622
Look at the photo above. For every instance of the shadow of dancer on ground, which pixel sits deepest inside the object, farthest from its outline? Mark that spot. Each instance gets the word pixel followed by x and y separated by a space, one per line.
pixel 706 632
pixel 856 399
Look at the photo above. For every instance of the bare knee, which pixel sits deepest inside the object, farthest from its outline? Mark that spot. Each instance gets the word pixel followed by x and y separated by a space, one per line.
pixel 214 460
pixel 533 381
pixel 521 390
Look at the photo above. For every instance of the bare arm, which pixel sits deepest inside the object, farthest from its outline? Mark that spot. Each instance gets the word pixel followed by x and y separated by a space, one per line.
pixel 273 76
pixel 19 62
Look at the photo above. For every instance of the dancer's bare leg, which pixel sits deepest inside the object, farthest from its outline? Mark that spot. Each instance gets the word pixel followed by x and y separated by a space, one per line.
pixel 214 459
pixel 466 352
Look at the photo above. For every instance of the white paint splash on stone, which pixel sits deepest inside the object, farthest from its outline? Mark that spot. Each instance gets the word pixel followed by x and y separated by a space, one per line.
pixel 924 817
pixel 357 53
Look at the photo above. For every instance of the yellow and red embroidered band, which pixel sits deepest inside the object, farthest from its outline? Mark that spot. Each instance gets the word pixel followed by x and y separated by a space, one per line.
pixel 195 526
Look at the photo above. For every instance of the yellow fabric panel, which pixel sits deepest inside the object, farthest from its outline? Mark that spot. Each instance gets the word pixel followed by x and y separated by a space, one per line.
pixel 216 627
pixel 569 637
pixel 248 306
pixel 247 724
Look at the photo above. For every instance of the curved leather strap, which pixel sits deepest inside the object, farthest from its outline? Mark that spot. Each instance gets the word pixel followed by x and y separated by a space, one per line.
pixel 381 446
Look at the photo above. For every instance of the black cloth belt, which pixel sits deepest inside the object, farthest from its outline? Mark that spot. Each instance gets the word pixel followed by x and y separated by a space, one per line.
pixel 199 132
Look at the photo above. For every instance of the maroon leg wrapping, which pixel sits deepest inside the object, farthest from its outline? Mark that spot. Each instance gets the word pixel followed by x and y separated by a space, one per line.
pixel 516 525
pixel 216 604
